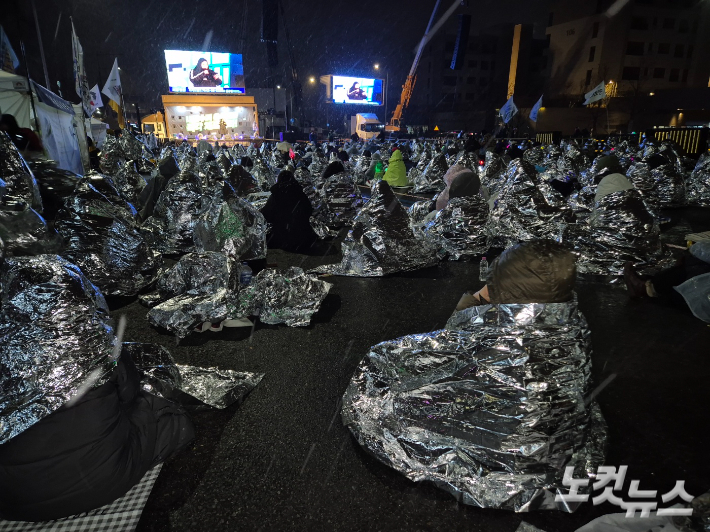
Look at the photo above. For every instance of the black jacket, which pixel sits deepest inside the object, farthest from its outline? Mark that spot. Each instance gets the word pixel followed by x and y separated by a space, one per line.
pixel 85 456
pixel 288 211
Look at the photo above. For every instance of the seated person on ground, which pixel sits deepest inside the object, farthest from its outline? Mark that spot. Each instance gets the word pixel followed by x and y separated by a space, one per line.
pixel 537 271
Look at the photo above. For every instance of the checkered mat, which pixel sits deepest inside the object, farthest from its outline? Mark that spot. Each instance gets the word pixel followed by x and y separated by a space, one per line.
pixel 121 515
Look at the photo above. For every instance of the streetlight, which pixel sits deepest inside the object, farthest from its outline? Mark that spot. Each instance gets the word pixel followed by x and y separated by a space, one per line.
pixel 312 80
pixel 278 86
pixel 377 66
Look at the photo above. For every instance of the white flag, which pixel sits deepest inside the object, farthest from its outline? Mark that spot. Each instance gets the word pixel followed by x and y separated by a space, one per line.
pixel 80 81
pixel 508 110
pixel 8 58
pixel 596 94
pixel 533 113
pixel 112 88
pixel 95 99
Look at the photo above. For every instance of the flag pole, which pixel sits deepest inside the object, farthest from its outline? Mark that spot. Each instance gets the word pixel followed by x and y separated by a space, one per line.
pixel 41 47
pixel 29 86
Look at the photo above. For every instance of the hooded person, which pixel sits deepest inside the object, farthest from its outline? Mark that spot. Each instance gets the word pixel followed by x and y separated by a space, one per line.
pixel 375 162
pixel 396 174
pixel 381 240
pixel 495 407
pixel 460 229
pixel 453 173
pixel 288 212
pixel 77 431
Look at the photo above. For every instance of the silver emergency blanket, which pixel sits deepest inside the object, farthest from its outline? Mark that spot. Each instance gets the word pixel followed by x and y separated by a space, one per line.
pixel 102 237
pixel 20 187
pixel 491 410
pixel 234 227
pixel 382 241
pixel 361 167
pixel 129 182
pixel 161 376
pixel 303 176
pixel 468 160
pixel 535 156
pixel 201 287
pixel 620 230
pixel 432 178
pixel 55 333
pixel 111 155
pixel 461 228
pixel 262 173
pixel 25 232
pixel 131 147
pixel 291 297
pixel 699 182
pixel 176 212
pixel 418 212
pixel 521 212
pixel 340 200
pixel 661 188
pixel 492 173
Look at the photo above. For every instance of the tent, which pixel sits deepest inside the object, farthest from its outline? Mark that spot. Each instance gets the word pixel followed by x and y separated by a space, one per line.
pixel 14 99
pixel 55 116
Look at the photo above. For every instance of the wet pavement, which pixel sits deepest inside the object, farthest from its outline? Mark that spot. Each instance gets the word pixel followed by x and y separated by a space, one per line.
pixel 282 460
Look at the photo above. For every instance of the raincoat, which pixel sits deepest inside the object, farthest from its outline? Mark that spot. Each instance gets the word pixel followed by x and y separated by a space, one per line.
pixel 396 174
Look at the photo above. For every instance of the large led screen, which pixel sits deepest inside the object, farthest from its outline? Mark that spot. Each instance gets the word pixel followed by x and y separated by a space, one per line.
pixel 357 91
pixel 204 72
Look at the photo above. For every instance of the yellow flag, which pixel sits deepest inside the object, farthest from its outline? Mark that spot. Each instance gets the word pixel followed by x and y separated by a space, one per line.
pixel 121 121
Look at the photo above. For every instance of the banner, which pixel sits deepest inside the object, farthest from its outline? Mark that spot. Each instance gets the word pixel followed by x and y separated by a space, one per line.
pixel 80 82
pixel 8 59
pixel 112 88
pixel 116 107
pixel 535 110
pixel 95 99
pixel 508 110
pixel 596 94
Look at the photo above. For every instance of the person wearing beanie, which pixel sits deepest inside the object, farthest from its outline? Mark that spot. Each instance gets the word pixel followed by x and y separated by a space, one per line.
pixel 454 172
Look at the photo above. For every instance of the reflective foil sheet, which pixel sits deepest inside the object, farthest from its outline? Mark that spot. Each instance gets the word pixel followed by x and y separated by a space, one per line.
pixel 216 387
pixel 161 376
pixel 521 212
pixel 492 173
pixel 382 241
pixel 291 297
pixel 179 207
pixel 131 147
pixel 699 182
pixel 102 237
pixel 233 227
pixel 111 156
pixel 340 199
pixel 262 173
pixel 303 176
pixel 432 178
pixel 461 228
pixel 491 410
pixel 20 187
pixel 129 182
pixel 620 229
pixel 25 232
pixel 201 287
pixel 55 332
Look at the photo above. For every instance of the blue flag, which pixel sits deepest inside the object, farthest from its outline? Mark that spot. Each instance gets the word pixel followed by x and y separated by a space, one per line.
pixel 533 113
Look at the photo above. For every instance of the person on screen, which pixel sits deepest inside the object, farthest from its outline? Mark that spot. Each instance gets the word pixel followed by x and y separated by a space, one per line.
pixel 203 76
pixel 356 93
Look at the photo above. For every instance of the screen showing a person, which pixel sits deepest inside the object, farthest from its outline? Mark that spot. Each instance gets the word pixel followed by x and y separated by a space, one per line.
pixel 362 91
pixel 204 72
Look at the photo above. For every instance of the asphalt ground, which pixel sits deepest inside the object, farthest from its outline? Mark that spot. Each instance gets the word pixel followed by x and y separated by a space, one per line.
pixel 282 460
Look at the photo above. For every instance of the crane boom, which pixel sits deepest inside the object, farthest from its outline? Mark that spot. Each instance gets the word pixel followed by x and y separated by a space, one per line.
pixel 408 87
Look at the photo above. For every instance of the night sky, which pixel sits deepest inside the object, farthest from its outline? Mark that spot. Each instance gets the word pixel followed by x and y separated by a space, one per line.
pixel 328 37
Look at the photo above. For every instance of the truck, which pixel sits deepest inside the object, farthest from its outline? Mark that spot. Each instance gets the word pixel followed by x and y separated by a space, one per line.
pixel 366 125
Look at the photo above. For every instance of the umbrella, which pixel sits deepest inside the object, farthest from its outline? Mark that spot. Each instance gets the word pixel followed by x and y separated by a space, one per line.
pixel 284 146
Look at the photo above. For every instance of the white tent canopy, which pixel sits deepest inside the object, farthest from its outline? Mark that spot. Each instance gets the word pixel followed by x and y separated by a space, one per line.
pixel 57 129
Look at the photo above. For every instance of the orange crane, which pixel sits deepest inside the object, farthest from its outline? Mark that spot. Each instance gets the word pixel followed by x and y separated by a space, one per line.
pixel 408 88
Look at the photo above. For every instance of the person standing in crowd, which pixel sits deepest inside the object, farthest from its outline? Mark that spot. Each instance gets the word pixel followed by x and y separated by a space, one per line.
pixel 24 138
